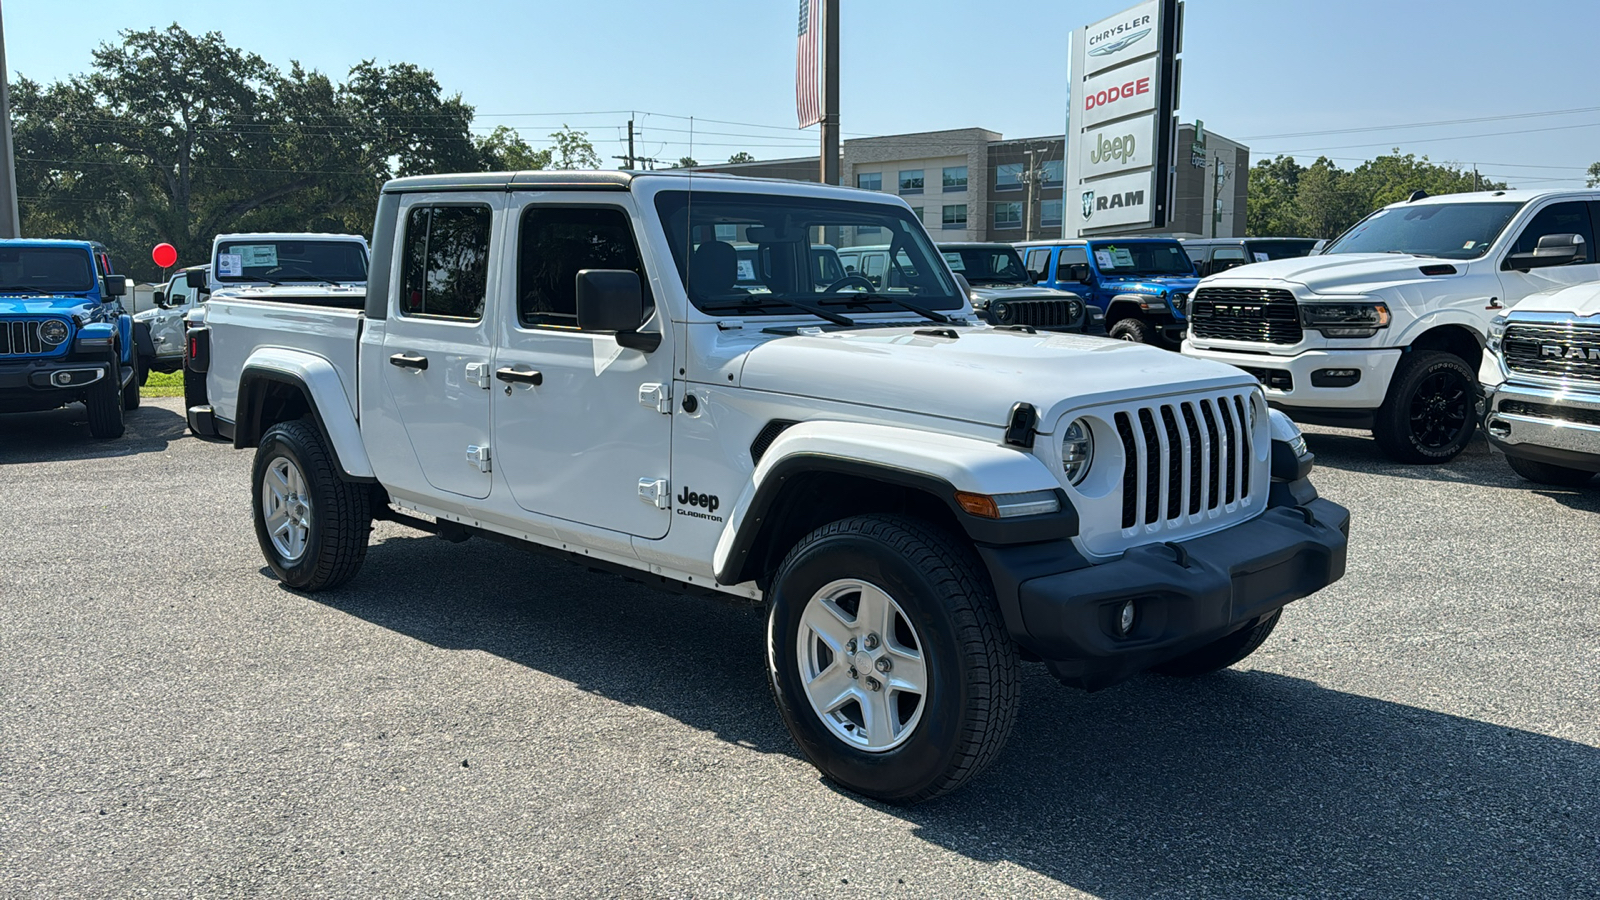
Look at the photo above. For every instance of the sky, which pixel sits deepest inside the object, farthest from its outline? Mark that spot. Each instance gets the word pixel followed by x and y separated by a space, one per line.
pixel 709 78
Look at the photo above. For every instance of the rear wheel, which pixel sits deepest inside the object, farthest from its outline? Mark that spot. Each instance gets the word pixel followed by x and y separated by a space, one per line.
pixel 1134 331
pixel 888 659
pixel 312 525
pixel 104 401
pixel 1431 411
pixel 1549 473
pixel 130 394
pixel 1222 653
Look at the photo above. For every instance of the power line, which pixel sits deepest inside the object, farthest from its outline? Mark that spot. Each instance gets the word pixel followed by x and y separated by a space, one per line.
pixel 1459 137
pixel 1370 128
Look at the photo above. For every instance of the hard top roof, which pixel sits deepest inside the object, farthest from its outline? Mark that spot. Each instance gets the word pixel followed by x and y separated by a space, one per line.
pixel 1063 242
pixel 1507 196
pixel 598 179
pixel 973 245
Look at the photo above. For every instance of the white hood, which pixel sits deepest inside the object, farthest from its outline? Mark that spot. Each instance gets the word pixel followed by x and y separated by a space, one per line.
pixel 978 376
pixel 1339 274
pixel 1578 300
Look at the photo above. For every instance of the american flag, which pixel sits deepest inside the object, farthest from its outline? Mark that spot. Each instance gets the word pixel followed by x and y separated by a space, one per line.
pixel 806 103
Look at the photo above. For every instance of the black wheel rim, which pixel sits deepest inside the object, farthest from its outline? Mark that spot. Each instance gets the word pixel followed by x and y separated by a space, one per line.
pixel 1441 410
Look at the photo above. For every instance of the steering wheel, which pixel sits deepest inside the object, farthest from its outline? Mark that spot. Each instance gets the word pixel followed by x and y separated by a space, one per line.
pixel 839 285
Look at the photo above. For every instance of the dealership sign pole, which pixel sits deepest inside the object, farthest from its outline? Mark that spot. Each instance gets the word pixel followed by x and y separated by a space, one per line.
pixel 10 227
pixel 1122 96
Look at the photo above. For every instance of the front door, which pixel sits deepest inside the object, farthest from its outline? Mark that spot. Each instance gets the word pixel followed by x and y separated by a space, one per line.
pixel 438 340
pixel 581 431
pixel 166 326
pixel 1564 217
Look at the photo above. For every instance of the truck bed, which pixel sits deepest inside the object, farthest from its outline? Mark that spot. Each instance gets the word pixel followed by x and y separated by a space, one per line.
pixel 240 328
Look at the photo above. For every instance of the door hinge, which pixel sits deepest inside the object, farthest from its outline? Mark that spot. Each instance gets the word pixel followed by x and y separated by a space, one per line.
pixel 478 374
pixel 479 456
pixel 655 492
pixel 657 397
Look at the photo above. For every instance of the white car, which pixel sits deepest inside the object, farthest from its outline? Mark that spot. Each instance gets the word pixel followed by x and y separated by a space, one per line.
pixel 567 362
pixel 1541 382
pixel 159 331
pixel 1386 328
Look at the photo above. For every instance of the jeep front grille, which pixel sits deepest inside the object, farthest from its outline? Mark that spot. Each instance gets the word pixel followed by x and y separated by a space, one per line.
pixel 1258 315
pixel 21 338
pixel 1184 459
pixel 1553 351
pixel 1040 313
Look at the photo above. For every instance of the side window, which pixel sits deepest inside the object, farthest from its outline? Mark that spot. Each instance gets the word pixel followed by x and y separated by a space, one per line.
pixel 1559 218
pixel 1039 263
pixel 555 243
pixel 1070 256
pixel 1225 258
pixel 445 272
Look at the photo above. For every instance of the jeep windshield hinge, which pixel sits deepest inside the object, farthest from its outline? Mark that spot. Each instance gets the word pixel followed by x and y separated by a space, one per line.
pixel 657 397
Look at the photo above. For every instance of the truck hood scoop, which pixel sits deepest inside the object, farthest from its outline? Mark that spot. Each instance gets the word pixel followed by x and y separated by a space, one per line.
pixel 976 378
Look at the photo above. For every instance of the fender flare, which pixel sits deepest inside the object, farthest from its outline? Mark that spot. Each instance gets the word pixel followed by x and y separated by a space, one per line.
pixel 936 464
pixel 1438 319
pixel 1138 302
pixel 324 391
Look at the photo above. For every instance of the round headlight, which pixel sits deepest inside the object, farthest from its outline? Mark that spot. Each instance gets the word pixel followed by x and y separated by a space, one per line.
pixel 1002 311
pixel 53 332
pixel 1077 451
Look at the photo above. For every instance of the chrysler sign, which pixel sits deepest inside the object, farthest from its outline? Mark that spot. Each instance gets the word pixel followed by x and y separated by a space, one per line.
pixel 1127 35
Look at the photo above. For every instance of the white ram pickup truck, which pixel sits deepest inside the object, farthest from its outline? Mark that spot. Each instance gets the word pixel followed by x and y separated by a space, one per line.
pixel 570 362
pixel 1541 383
pixel 1386 329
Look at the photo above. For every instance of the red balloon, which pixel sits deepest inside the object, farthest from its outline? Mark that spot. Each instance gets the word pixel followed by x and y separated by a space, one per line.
pixel 164 255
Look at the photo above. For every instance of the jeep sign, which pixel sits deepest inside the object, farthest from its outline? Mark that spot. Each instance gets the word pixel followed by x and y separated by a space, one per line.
pixel 1122 96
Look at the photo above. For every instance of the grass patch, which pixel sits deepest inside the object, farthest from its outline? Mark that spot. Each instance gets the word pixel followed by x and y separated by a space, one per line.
pixel 163 384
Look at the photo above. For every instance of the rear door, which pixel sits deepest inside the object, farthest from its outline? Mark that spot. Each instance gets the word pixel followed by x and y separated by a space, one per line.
pixel 438 340
pixel 582 424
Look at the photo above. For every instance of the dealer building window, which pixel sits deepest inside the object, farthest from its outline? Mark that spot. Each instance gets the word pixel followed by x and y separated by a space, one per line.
pixel 870 181
pixel 445 272
pixel 955 179
pixel 954 216
pixel 910 181
pixel 1008 215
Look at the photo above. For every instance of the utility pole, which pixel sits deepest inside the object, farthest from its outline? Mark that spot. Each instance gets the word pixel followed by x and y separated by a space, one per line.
pixel 630 161
pixel 1030 177
pixel 830 91
pixel 10 225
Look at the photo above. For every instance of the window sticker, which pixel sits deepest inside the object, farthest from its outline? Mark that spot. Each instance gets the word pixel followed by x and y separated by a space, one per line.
pixel 747 270
pixel 1469 245
pixel 1122 256
pixel 229 265
pixel 954 259
pixel 1103 258
pixel 1260 257
pixel 257 256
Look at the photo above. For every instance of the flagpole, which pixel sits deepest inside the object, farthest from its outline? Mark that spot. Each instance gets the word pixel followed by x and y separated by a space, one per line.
pixel 10 226
pixel 830 91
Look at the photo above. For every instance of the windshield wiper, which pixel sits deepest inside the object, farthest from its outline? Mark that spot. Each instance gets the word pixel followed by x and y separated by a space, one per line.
pixel 754 302
pixel 922 311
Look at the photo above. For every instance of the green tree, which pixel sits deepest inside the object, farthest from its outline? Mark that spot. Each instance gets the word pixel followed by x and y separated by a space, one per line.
pixel 685 162
pixel 1322 200
pixel 504 150
pixel 741 157
pixel 573 150
pixel 1270 205
pixel 1593 179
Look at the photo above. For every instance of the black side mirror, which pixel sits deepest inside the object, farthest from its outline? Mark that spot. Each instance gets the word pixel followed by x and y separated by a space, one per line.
pixel 160 299
pixel 116 286
pixel 613 300
pixel 1078 272
pixel 1552 250
pixel 1223 265
pixel 1318 247
pixel 196 279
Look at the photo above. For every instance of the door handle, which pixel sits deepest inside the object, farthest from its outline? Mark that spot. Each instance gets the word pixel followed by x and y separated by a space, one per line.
pixel 514 376
pixel 419 363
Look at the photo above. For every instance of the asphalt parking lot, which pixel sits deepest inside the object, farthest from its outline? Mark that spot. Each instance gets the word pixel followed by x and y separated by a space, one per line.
pixel 472 720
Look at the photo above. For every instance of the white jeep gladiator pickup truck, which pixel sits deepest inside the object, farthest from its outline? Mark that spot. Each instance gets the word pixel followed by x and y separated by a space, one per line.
pixel 568 362
pixel 1386 329
pixel 1541 383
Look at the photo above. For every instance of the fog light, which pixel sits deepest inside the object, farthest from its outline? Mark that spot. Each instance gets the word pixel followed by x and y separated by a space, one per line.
pixel 1335 378
pixel 62 378
pixel 1125 617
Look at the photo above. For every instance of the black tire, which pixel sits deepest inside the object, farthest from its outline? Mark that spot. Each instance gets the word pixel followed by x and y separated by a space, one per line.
pixel 1222 653
pixel 970 663
pixel 1132 330
pixel 130 394
pixel 194 387
pixel 103 399
pixel 1431 411
pixel 1549 473
pixel 145 364
pixel 339 514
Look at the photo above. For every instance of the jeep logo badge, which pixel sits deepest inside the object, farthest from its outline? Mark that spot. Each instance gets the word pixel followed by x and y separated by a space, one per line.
pixel 1119 149
pixel 707 502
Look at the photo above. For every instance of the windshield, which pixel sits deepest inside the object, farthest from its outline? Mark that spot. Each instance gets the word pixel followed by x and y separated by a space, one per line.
pixel 46 270
pixel 1449 230
pixel 988 265
pixel 291 260
pixel 749 252
pixel 1141 259
pixel 1262 251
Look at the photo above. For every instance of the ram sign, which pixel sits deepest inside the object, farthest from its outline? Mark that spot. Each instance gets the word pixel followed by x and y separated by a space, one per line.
pixel 1123 96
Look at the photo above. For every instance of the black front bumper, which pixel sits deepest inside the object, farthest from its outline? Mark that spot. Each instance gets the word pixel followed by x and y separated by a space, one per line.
pixel 1186 594
pixel 45 384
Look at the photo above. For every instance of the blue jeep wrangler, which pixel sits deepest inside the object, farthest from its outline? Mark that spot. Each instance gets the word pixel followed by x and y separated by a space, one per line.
pixel 64 336
pixel 1142 284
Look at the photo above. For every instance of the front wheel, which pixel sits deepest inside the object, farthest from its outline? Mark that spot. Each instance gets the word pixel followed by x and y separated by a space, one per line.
pixel 312 524
pixel 888 659
pixel 1132 330
pixel 1223 652
pixel 104 402
pixel 1431 411
pixel 130 394
pixel 1549 473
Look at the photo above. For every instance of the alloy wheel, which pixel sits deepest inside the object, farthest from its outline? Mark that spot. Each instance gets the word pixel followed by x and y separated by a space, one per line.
pixel 862 665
